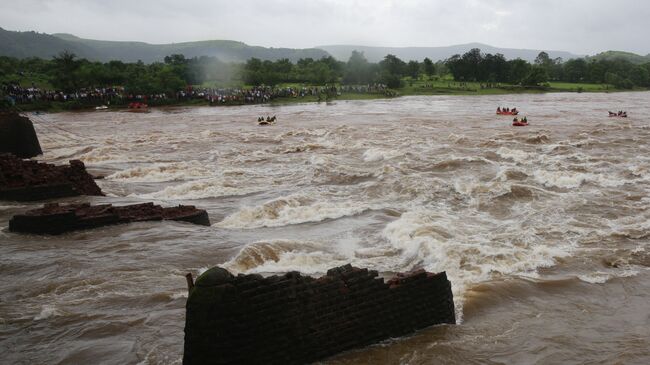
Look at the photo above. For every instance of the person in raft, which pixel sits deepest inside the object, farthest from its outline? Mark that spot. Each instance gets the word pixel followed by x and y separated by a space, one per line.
pixel 524 120
pixel 498 109
pixel 515 120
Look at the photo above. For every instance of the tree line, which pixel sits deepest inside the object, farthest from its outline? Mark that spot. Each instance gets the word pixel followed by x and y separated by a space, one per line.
pixel 476 66
pixel 67 73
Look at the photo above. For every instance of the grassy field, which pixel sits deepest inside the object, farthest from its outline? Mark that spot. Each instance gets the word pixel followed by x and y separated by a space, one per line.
pixel 450 87
pixel 581 87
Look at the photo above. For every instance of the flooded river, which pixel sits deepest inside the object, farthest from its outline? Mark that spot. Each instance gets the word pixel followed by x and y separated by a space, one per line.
pixel 543 230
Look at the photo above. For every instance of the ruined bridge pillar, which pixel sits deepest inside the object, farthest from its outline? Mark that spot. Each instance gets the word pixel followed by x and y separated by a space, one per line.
pixel 294 319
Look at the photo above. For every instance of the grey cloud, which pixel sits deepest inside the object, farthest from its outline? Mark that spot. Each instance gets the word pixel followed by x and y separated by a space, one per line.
pixel 579 26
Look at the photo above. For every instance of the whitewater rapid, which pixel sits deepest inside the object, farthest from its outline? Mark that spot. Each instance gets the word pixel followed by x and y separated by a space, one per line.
pixel 438 183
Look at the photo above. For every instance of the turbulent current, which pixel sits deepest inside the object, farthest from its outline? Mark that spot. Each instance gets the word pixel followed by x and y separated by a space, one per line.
pixel 543 230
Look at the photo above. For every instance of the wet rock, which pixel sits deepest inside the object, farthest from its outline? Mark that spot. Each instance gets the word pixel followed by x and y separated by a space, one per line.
pixel 26 180
pixel 17 136
pixel 57 219
pixel 295 319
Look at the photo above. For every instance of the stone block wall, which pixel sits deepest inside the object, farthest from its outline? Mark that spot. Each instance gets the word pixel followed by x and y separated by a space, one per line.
pixel 294 319
pixel 26 180
pixel 56 219
pixel 17 135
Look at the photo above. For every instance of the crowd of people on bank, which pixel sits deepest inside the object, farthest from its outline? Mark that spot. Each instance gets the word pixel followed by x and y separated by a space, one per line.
pixel 23 95
pixel 216 96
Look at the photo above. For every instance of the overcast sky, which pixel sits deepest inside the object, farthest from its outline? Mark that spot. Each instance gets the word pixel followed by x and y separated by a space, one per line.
pixel 579 26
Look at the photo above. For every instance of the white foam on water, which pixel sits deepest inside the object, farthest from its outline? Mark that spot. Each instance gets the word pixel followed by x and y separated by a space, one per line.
pixel 279 256
pixel 110 155
pixel 319 132
pixel 471 186
pixel 466 249
pixel 202 189
pixel 161 172
pixel 640 169
pixel 379 154
pixel 289 210
pixel 178 295
pixel 305 147
pixel 317 160
pixel 48 311
pixel 11 206
pixel 458 138
pixel 66 152
pixel 601 277
pixel 568 179
pixel 515 155
pixel 634 227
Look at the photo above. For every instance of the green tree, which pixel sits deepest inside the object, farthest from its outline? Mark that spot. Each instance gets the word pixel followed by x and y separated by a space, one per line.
pixel 413 69
pixel 429 67
pixel 536 76
pixel 543 60
pixel 64 76
pixel 518 69
pixel 455 66
pixel 358 70
pixel 575 70
pixel 178 64
pixel 639 76
pixel 392 70
pixel 168 81
pixel 494 68
pixel 253 72
pixel 471 62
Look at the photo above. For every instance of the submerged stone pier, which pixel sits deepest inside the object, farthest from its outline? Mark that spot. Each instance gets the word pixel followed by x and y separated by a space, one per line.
pixel 17 135
pixel 295 319
pixel 26 180
pixel 56 219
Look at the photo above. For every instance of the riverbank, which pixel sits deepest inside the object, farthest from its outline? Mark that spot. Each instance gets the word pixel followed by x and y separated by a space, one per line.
pixel 410 88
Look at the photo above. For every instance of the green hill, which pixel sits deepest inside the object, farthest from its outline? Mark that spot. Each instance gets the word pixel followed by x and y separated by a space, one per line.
pixel 628 56
pixel 376 54
pixel 32 44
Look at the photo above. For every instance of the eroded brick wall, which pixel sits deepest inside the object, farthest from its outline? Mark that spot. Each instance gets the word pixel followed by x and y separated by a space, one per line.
pixel 293 319
pixel 17 136
pixel 26 180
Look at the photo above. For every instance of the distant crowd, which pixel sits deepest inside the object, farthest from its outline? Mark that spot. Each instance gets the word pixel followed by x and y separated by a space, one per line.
pixel 216 96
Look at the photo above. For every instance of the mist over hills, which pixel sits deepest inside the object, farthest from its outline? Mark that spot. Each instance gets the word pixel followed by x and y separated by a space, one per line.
pixel 613 55
pixel 32 44
pixel 376 54
pixel 42 45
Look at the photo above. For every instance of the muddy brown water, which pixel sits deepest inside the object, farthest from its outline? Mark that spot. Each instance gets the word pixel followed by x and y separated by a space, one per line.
pixel 543 230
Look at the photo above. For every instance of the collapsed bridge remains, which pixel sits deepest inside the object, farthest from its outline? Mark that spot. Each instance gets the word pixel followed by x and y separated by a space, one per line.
pixel 295 319
pixel 56 219
pixel 26 180
pixel 17 135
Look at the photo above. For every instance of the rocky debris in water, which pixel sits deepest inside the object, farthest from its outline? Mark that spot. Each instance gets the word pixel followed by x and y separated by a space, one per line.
pixel 295 319
pixel 17 136
pixel 56 219
pixel 26 180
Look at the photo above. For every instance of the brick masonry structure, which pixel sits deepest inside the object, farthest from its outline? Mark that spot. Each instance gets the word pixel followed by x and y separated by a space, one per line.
pixel 17 135
pixel 57 219
pixel 293 319
pixel 26 180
